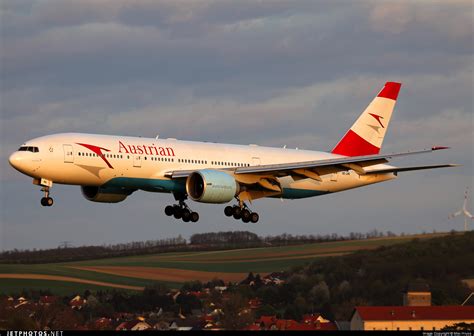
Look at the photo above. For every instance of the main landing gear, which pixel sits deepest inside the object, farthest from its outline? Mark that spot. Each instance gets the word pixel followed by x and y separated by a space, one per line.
pixel 182 211
pixel 241 212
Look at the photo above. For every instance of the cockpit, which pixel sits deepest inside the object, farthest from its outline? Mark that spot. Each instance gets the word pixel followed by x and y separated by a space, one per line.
pixel 28 149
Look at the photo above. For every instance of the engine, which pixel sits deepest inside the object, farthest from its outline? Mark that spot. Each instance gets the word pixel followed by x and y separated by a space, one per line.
pixel 105 194
pixel 211 186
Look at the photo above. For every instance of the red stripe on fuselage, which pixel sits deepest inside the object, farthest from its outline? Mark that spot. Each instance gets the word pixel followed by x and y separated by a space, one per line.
pixel 354 145
pixel 390 90
pixel 98 151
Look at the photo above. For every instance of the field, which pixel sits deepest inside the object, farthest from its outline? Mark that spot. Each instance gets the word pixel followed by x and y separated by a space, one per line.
pixel 134 273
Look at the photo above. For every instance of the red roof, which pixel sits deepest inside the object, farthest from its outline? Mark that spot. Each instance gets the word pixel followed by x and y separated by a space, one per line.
pixel 267 320
pixel 47 299
pixel 252 327
pixel 404 313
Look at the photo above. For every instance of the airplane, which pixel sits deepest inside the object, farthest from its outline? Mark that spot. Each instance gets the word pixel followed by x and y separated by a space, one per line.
pixel 110 168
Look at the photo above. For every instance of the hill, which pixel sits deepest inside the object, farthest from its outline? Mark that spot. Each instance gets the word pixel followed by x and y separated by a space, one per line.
pixel 136 272
pixel 335 285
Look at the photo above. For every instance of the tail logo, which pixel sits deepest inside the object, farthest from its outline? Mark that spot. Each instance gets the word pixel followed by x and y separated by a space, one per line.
pixel 377 117
pixel 98 150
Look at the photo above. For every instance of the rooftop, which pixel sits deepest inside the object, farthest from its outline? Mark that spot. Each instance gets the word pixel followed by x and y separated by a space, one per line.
pixel 404 313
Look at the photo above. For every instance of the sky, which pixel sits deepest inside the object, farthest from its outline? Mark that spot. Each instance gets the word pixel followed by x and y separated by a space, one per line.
pixel 295 73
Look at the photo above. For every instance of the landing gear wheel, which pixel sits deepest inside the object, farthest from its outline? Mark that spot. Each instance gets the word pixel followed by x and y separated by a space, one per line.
pixel 228 211
pixel 194 217
pixel 169 210
pixel 245 216
pixel 47 201
pixel 186 216
pixel 177 212
pixel 254 217
pixel 236 210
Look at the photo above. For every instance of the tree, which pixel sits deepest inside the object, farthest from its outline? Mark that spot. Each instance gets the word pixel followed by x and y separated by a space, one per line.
pixel 320 294
pixel 236 313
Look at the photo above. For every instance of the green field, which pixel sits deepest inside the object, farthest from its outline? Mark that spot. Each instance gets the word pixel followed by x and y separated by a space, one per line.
pixel 174 268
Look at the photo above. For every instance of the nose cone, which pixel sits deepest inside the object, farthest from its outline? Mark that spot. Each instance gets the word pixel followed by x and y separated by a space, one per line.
pixel 17 161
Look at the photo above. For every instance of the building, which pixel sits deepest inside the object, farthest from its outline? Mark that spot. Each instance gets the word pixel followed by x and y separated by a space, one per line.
pixel 410 317
pixel 417 294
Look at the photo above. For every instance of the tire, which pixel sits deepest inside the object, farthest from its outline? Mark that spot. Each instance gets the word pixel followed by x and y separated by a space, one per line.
pixel 194 217
pixel 237 216
pixel 169 210
pixel 237 211
pixel 228 211
pixel 49 201
pixel 44 201
pixel 245 216
pixel 186 216
pixel 177 213
pixel 254 217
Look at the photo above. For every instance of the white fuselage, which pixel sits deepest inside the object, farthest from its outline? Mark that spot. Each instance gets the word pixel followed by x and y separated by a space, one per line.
pixel 141 163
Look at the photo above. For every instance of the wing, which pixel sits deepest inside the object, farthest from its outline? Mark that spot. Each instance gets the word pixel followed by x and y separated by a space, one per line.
pixel 312 169
pixel 404 169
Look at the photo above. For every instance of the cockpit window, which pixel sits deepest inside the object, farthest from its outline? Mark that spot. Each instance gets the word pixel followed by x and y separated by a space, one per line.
pixel 28 149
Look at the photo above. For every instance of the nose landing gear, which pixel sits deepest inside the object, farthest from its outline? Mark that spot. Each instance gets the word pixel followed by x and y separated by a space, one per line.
pixel 241 212
pixel 46 186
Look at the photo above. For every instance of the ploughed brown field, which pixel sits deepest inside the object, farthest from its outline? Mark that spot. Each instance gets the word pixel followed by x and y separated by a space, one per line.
pixel 163 274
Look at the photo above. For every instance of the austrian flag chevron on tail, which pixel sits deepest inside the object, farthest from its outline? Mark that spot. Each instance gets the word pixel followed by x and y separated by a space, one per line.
pixel 366 136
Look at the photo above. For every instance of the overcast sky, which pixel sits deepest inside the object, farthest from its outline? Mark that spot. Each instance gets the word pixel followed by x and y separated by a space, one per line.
pixel 295 73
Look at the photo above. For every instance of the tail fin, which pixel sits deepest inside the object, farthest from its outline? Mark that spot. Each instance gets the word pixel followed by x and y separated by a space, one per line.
pixel 365 137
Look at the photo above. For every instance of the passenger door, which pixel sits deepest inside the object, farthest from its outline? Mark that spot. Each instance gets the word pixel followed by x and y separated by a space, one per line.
pixel 68 154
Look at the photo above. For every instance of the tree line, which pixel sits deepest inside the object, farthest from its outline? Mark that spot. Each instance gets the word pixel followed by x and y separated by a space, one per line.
pixel 197 242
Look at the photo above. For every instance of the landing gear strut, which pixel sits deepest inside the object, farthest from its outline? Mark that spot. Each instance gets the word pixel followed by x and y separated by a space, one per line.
pixel 241 212
pixel 182 211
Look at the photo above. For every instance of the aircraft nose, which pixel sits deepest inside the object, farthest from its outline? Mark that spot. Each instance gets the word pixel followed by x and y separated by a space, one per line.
pixel 17 161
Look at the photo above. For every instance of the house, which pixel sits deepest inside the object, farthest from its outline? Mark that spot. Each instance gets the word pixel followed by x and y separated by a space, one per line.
pixel 417 294
pixel 266 322
pixel 410 317
pixel 102 323
pixel 47 300
pixel 317 322
pixel 136 324
pixel 77 302
pixel 255 303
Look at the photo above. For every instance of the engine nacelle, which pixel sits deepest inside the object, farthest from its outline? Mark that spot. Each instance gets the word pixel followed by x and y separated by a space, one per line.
pixel 211 186
pixel 104 195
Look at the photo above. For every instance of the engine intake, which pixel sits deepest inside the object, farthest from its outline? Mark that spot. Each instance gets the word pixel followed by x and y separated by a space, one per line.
pixel 105 194
pixel 211 186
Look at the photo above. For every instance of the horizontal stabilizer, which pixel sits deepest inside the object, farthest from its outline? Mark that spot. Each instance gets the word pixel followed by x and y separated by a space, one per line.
pixel 404 169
